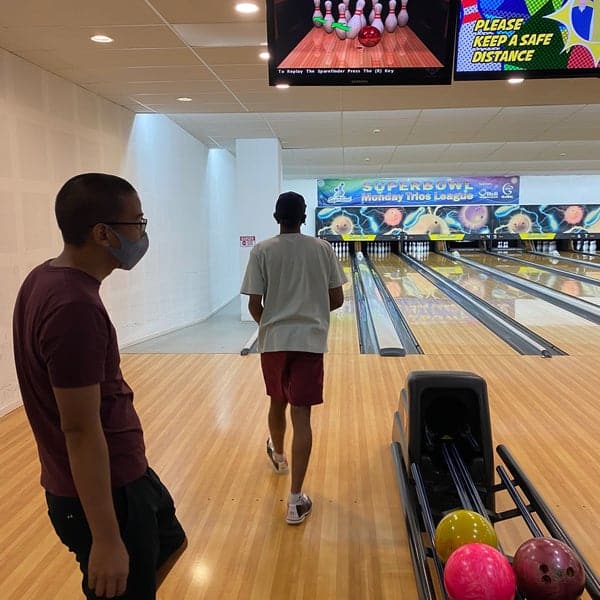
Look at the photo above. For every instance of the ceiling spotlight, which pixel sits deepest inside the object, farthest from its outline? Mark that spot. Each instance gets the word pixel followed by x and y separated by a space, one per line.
pixel 246 7
pixel 264 55
pixel 184 99
pixel 562 154
pixel 367 159
pixel 283 86
pixel 376 131
pixel 515 80
pixel 101 39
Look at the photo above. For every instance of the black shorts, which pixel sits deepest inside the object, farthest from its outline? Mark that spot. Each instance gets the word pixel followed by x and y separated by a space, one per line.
pixel 149 528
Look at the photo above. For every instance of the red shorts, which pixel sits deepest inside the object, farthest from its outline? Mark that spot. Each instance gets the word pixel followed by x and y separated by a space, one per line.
pixel 294 377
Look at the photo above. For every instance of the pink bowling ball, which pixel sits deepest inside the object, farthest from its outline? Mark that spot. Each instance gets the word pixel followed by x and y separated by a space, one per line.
pixel 479 572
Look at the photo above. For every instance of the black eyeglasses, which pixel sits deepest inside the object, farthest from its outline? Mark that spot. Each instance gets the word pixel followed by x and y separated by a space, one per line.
pixel 141 224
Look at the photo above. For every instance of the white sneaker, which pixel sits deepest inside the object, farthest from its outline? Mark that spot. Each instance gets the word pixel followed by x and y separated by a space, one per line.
pixel 296 513
pixel 280 466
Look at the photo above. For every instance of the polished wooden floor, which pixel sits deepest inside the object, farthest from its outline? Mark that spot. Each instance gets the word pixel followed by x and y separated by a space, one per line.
pixel 322 50
pixel 205 423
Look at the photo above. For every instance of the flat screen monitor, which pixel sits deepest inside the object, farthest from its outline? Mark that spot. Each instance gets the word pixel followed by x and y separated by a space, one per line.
pixel 504 39
pixel 395 42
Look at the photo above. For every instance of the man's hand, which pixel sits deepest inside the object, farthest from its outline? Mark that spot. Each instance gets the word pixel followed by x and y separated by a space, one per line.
pixel 108 568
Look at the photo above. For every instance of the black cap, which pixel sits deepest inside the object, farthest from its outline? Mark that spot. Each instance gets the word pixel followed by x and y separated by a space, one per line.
pixel 290 207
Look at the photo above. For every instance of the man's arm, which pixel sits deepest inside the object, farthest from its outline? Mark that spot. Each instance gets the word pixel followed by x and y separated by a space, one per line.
pixel 79 410
pixel 255 307
pixel 336 297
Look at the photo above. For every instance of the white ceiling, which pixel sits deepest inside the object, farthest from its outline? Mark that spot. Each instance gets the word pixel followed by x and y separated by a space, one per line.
pixel 165 49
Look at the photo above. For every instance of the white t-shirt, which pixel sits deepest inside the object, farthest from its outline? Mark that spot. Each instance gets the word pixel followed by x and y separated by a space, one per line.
pixel 293 273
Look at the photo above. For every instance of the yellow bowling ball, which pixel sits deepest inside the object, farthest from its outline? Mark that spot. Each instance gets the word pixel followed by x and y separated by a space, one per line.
pixel 462 527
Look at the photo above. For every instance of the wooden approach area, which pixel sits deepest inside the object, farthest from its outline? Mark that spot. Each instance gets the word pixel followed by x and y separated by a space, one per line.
pixel 319 49
pixel 205 424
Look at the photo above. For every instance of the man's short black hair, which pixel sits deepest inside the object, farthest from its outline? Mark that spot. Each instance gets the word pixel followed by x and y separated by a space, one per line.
pixel 86 200
pixel 290 209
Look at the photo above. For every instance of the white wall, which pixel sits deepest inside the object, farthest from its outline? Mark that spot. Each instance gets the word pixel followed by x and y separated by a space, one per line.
pixel 51 130
pixel 560 189
pixel 258 184
pixel 308 188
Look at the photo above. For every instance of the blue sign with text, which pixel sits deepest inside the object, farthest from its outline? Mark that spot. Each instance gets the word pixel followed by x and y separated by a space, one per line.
pixel 418 191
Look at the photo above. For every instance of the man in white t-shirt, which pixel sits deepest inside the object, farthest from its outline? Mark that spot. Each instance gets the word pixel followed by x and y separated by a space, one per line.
pixel 293 281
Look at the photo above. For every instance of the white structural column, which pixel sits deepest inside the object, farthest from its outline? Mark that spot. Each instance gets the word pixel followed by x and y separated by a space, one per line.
pixel 258 184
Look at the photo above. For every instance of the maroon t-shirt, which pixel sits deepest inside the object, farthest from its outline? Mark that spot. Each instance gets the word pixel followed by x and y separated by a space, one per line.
pixel 63 337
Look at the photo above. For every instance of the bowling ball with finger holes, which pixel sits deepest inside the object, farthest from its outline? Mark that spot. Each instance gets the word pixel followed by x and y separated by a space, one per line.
pixel 462 527
pixel 547 569
pixel 479 572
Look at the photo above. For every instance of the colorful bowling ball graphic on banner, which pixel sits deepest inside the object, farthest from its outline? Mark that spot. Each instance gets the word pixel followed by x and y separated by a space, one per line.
pixel 342 225
pixel 547 569
pixel 573 215
pixel 473 217
pixel 479 572
pixel 392 217
pixel 519 223
pixel 462 527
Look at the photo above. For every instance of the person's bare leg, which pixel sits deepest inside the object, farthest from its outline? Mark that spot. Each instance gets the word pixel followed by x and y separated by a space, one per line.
pixel 301 445
pixel 277 424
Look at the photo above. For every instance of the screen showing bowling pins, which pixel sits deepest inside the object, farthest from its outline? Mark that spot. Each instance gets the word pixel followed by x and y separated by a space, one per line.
pixel 380 42
pixel 500 39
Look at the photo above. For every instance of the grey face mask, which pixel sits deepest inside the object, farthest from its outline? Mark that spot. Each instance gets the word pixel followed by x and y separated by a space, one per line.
pixel 130 253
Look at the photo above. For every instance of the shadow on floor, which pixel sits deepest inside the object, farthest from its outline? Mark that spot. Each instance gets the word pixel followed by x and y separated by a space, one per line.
pixel 222 333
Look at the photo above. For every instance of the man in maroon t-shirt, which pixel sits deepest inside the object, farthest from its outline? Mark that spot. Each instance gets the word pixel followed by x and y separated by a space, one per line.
pixel 105 503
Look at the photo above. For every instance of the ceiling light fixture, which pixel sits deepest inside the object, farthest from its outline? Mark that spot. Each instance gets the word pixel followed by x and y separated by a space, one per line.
pixel 367 159
pixel 184 99
pixel 562 154
pixel 376 131
pixel 264 55
pixel 283 86
pixel 101 39
pixel 246 8
pixel 515 80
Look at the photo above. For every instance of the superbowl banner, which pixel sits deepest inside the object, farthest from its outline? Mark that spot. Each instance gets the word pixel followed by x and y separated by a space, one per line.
pixel 557 37
pixel 418 191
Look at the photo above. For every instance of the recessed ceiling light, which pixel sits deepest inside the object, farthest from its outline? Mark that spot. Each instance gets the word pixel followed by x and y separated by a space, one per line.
pixel 184 99
pixel 246 7
pixel 367 159
pixel 562 154
pixel 515 80
pixel 376 131
pixel 283 86
pixel 101 39
pixel 264 55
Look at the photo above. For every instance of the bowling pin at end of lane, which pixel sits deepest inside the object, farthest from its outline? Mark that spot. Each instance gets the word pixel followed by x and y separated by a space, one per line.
pixel 403 14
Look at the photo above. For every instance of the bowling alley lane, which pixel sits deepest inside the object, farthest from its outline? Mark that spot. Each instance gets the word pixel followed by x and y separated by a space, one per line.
pixel 589 258
pixel 570 333
pixel 343 330
pixel 440 325
pixel 592 272
pixel 567 285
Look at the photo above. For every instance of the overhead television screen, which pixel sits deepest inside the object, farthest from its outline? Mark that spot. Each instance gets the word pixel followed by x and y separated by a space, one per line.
pixel 392 42
pixel 500 39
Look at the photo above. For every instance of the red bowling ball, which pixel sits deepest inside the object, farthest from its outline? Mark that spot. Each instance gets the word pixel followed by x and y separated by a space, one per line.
pixel 547 569
pixel 479 572
pixel 369 36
